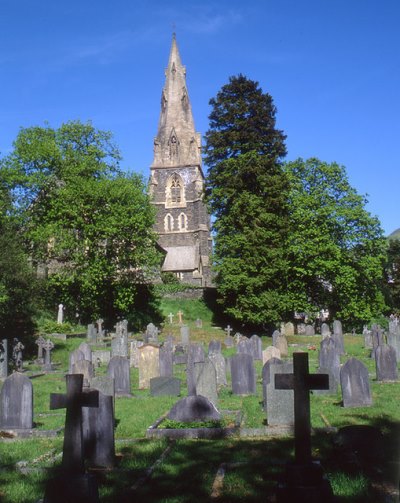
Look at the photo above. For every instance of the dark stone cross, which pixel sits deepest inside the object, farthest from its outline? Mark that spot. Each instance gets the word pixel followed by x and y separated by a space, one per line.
pixel 73 401
pixel 301 381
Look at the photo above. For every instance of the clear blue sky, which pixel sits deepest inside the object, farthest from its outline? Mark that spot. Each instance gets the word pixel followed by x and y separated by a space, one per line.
pixel 331 66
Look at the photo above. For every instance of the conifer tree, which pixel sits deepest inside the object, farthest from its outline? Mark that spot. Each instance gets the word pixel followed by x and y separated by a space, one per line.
pixel 247 192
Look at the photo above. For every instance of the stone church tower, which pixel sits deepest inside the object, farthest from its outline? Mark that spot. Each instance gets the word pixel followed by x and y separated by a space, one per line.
pixel 177 180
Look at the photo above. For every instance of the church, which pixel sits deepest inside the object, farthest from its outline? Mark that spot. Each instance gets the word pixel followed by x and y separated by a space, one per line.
pixel 177 181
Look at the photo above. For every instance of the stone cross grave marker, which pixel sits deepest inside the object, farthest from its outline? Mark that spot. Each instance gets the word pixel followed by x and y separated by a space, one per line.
pixel 301 382
pixel 228 330
pixel 3 358
pixel 40 341
pixel 17 354
pixel 170 317
pixel 99 324
pixel 48 346
pixel 73 401
pixel 179 314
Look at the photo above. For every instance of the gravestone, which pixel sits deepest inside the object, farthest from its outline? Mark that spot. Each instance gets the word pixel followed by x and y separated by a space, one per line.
pixel 282 345
pixel 393 339
pixel 165 386
pixel 301 328
pixel 74 356
pixel 193 408
pixel 245 346
pixel 180 315
pixel 73 484
pixel 169 343
pixel 91 334
pixel 271 352
pixel 199 323
pixel 149 364
pixel 16 403
pixel 228 341
pixel 118 368
pixel 166 362
pixel 214 347
pixel 3 358
pixel 367 338
pixel 170 317
pixel 134 353
pixel 338 336
pixel 180 356
pixel 105 384
pixel 60 314
pixel 119 346
pixel 98 430
pixel 151 335
pixel 48 346
pixel 377 338
pixel 289 328
pixel 40 341
pixel 101 357
pixel 195 355
pixel 84 367
pixel 185 334
pixel 86 350
pixel 275 335
pixel 309 330
pixel 280 409
pixel 228 330
pixel 220 368
pixel 329 363
pixel 354 382
pixel 256 347
pixel 17 349
pixel 243 374
pixel 266 378
pixel 206 380
pixel 386 363
pixel 305 481
pixel 325 331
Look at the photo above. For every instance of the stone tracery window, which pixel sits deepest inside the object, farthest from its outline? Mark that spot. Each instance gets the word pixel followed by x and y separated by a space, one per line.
pixel 168 223
pixel 182 222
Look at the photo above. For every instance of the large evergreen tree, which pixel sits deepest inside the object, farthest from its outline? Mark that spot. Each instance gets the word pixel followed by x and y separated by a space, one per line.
pixel 247 192
pixel 86 221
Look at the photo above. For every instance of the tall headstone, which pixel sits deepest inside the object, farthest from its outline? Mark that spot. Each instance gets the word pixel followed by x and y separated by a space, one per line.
pixel 393 339
pixel 149 364
pixel 118 368
pixel 74 356
pixel 282 344
pixel 245 346
pixel 84 367
pixel 151 335
pixel 17 349
pixel 275 335
pixel 134 353
pixel 3 358
pixel 354 382
pixel 329 363
pixel 220 368
pixel 91 334
pixel 367 338
pixel 195 354
pixel 206 380
pixel 325 331
pixel 280 408
pixel 257 347
pixel 119 346
pixel 166 362
pixel 60 314
pixel 289 328
pixel 86 350
pixel 40 341
pixel 214 347
pixel 266 378
pixel 338 336
pixel 386 363
pixel 48 346
pixel 185 334
pixel 243 374
pixel 16 403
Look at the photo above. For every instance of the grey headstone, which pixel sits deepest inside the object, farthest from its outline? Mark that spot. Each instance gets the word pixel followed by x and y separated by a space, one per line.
pixel 275 335
pixel 195 355
pixel 91 333
pixel 119 346
pixel 245 346
pixel 101 357
pixel 257 347
pixel 84 367
pixel 393 339
pixel 243 374
pixel 74 356
pixel 193 408
pixel 329 359
pixel 289 328
pixel 185 334
pixel 206 380
pixel 310 330
pixel 266 377
pixel 301 329
pixel 134 353
pixel 220 368
pixel 367 338
pixel 214 347
pixel 180 356
pixel 280 402
pixel 16 403
pixel 377 338
pixel 3 358
pixel 229 343
pixel 354 382
pixel 17 349
pixel 386 363
pixel 86 350
pixel 325 331
pixel 337 336
pixel 166 362
pixel 40 341
pixel 118 368
pixel 151 335
pixel 48 346
pixel 165 386
pixel 282 344
pixel 105 384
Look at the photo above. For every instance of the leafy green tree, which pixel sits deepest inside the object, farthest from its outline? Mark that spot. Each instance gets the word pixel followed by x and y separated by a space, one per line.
pixel 336 248
pixel 392 276
pixel 87 222
pixel 247 193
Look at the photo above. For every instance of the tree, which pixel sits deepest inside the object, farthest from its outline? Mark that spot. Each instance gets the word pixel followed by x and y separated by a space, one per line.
pixel 247 193
pixel 336 248
pixel 392 276
pixel 90 224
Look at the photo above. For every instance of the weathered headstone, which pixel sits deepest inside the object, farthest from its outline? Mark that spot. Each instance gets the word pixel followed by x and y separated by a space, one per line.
pixel 194 408
pixel 17 349
pixel 386 363
pixel 289 328
pixel 100 330
pixel 206 380
pixel 180 356
pixel 84 367
pixel 243 374
pixel 256 346
pixel 119 346
pixel 86 350
pixel 220 368
pixel 305 481
pixel 16 403
pixel 309 330
pixel 275 335
pixel 185 334
pixel 338 336
pixel 280 409
pixel 165 386
pixel 40 341
pixel 214 347
pixel 151 335
pixel 118 368
pixel 166 362
pixel 195 354
pixel 354 382
pixel 149 364
pixel 367 338
pixel 105 384
pixel 245 346
pixel 282 344
pixel 229 342
pixel 91 334
pixel 60 314
pixel 134 353
pixel 74 356
pixel 3 358
pixel 301 328
pixel 393 339
pixel 271 352
pixel 48 346
pixel 329 362
pixel 266 378
pixel 325 331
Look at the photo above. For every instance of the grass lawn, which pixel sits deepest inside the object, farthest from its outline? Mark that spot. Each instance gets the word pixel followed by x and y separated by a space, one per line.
pixel 186 470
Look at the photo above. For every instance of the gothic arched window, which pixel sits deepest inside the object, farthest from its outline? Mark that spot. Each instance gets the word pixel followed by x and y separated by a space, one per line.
pixel 176 189
pixel 182 222
pixel 168 223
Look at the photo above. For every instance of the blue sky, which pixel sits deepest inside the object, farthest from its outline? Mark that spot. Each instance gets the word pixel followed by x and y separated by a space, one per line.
pixel 331 66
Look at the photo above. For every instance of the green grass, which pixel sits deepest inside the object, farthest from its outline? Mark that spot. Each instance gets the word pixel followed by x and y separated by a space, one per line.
pixel 188 470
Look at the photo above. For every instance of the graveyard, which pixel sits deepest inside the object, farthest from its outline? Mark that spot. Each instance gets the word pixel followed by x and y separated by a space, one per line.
pixel 148 443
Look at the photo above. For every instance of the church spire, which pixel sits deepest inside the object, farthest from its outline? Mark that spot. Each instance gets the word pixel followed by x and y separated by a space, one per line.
pixel 176 143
